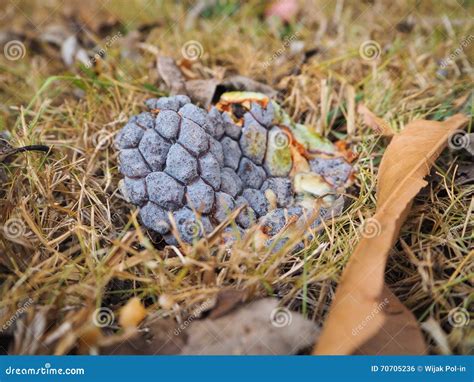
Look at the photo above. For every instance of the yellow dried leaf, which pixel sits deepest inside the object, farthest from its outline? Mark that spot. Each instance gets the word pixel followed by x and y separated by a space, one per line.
pixel 132 313
pixel 366 318
pixel 379 125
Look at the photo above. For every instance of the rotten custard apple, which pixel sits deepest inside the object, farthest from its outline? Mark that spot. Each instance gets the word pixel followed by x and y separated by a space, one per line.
pixel 183 163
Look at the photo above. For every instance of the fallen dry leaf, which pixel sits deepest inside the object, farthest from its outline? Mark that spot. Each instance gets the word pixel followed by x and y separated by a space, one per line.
pixel 132 313
pixel 226 301
pixel 208 91
pixel 379 125
pixel 156 336
pixel 260 327
pixel 202 91
pixel 243 83
pixel 205 91
pixel 366 317
pixel 170 74
pixel 130 45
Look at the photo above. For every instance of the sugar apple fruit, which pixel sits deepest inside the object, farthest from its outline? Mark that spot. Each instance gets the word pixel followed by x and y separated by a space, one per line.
pixel 184 164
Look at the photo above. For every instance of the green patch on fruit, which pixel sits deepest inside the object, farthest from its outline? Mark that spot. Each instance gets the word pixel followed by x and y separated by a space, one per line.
pixel 278 160
pixel 312 142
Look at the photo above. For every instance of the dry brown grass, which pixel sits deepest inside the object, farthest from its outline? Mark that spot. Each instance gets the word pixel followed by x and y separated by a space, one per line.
pixel 82 246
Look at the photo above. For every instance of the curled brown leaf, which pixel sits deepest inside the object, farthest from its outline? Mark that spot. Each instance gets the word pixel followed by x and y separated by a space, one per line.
pixel 379 125
pixel 366 318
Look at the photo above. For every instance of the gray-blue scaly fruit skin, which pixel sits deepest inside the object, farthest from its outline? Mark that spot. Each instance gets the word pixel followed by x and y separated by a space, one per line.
pixel 190 167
